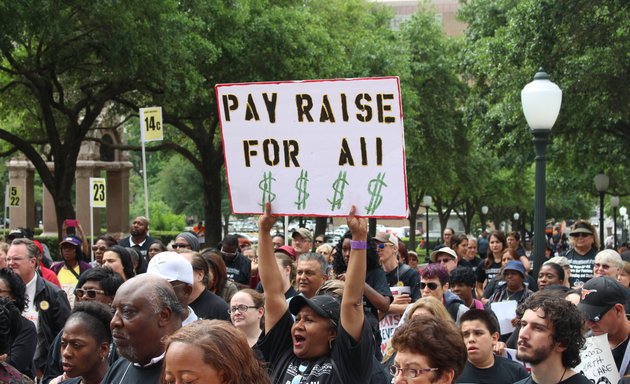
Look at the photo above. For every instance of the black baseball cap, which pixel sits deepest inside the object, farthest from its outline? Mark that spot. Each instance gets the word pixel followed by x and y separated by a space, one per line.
pixel 324 305
pixel 599 295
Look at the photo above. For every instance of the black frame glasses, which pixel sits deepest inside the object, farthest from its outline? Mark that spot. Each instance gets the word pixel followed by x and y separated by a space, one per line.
pixel 241 308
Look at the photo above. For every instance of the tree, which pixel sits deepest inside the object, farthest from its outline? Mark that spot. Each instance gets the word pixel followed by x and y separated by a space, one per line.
pixel 61 64
pixel 432 97
pixel 583 45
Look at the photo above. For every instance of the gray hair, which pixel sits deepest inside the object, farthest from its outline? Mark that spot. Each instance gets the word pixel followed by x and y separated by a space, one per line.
pixel 31 248
pixel 163 296
pixel 308 256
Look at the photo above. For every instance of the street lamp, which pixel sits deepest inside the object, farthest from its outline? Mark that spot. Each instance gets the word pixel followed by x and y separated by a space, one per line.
pixel 515 225
pixel 614 203
pixel 623 211
pixel 484 212
pixel 427 202
pixel 601 184
pixel 541 100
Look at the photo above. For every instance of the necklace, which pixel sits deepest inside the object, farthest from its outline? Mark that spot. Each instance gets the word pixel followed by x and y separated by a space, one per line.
pixel 563 373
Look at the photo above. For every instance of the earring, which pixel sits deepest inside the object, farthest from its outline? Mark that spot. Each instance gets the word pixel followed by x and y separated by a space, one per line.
pixel 330 341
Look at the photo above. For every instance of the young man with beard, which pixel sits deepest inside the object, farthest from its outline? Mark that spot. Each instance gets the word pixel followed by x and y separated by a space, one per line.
pixel 481 333
pixel 550 340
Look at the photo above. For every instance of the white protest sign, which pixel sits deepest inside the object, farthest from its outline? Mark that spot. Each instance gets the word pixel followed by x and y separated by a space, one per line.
pixel 390 321
pixel 151 124
pixel 505 312
pixel 98 192
pixel 315 147
pixel 598 363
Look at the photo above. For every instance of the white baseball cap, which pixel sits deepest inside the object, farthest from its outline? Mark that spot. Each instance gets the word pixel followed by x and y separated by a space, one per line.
pixel 172 266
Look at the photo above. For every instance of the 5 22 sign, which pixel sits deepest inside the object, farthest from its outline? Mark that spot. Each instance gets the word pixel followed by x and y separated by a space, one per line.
pixel 98 195
pixel 14 196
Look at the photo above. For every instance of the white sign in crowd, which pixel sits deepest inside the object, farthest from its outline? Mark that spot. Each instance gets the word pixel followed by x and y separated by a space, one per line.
pixel 315 147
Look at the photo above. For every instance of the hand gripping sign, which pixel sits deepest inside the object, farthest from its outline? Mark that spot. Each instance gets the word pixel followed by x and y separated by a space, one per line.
pixel 315 147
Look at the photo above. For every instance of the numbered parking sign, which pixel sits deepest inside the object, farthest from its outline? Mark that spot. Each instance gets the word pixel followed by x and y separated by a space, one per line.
pixel 151 124
pixel 15 196
pixel 98 197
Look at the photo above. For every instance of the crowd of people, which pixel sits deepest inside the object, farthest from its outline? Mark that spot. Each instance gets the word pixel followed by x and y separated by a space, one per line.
pixel 136 310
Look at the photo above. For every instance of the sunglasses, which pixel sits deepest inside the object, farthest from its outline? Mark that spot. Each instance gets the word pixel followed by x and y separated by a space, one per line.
pixel 602 266
pixel 91 293
pixel 581 234
pixel 95 248
pixel 382 245
pixel 319 241
pixel 432 286
pixel 227 253
pixel 175 246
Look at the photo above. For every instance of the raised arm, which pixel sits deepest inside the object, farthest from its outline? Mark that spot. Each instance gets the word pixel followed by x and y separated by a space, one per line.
pixel 352 300
pixel 275 303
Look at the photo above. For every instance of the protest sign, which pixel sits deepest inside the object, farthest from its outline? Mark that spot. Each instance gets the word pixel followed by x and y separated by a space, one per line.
pixel 315 148
pixel 598 363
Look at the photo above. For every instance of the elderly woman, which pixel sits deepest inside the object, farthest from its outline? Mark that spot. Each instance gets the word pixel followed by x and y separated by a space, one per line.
pixel 328 341
pixel 607 263
pixel 428 350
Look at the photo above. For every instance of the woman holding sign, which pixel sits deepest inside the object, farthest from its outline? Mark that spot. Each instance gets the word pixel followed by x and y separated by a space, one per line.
pixel 329 341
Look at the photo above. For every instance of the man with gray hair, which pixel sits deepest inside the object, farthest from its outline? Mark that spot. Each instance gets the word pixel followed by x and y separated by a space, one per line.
pixel 146 311
pixel 47 306
pixel 311 273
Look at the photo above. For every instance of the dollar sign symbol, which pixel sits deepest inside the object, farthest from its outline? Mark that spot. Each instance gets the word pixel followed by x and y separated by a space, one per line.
pixel 300 185
pixel 265 187
pixel 338 187
pixel 374 188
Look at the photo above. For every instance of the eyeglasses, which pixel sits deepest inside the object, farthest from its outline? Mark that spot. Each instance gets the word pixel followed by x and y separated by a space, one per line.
pixel 432 287
pixel 411 372
pixel 91 293
pixel 581 234
pixel 175 246
pixel 602 266
pixel 240 308
pixel 99 249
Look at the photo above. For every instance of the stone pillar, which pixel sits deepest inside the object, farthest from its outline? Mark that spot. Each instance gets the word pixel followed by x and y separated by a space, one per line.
pixel 49 215
pixel 21 174
pixel 85 170
pixel 118 197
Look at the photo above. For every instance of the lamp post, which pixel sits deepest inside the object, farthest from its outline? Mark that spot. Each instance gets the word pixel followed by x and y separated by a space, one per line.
pixel 515 224
pixel 614 203
pixel 541 100
pixel 623 211
pixel 484 212
pixel 601 184
pixel 427 201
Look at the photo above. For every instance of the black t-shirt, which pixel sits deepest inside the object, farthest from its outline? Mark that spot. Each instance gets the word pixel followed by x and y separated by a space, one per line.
pixel 503 371
pixel 210 306
pixel 581 266
pixel 409 278
pixel 618 354
pixel 376 279
pixel 349 361
pixel 124 371
pixel 239 269
pixel 489 273
pixel 575 379
pixel 287 295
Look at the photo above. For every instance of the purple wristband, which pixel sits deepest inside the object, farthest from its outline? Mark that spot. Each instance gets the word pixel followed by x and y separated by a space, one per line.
pixel 355 244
